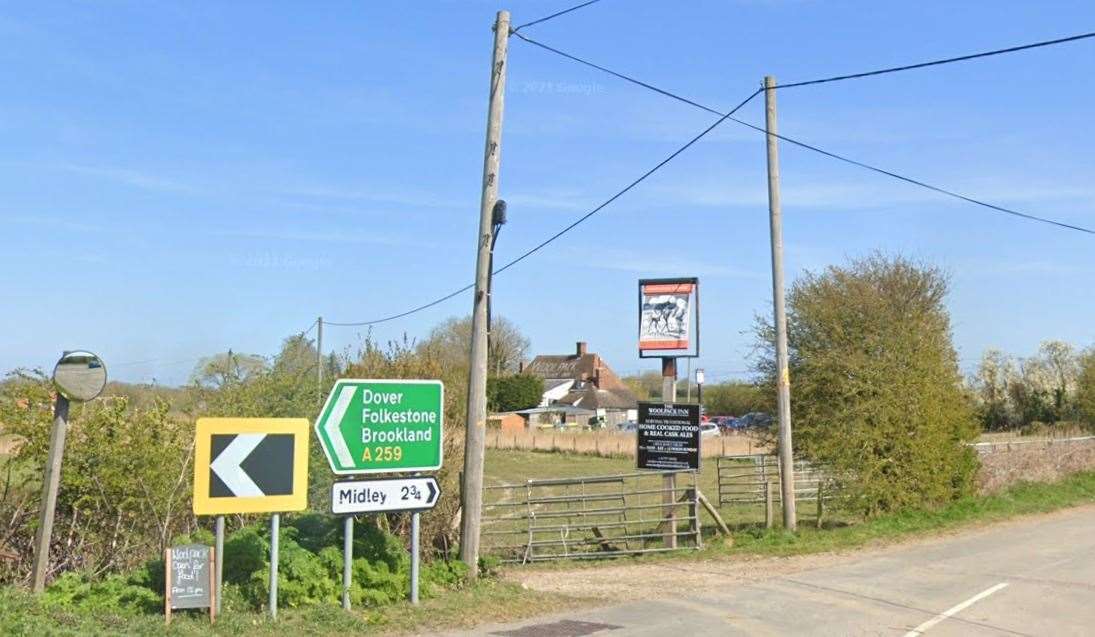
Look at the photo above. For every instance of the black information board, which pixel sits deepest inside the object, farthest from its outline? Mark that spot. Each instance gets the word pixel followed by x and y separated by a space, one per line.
pixel 189 583
pixel 669 436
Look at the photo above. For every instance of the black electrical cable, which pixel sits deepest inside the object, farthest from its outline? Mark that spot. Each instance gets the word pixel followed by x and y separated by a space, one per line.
pixel 554 15
pixel 626 78
pixel 961 58
pixel 565 230
pixel 916 182
pixel 832 155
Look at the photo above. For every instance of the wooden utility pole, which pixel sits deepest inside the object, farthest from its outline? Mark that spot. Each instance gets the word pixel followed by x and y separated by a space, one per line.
pixel 319 360
pixel 475 435
pixel 783 374
pixel 51 481
pixel 669 483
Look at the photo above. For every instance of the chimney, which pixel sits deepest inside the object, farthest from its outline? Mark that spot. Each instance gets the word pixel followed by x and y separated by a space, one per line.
pixel 582 348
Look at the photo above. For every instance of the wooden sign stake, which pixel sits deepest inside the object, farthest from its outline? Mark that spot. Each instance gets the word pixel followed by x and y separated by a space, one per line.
pixel 167 585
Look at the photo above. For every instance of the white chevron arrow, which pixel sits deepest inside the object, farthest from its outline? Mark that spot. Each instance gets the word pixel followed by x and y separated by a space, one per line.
pixel 228 469
pixel 331 427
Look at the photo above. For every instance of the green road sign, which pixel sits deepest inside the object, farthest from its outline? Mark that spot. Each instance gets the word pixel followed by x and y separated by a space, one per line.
pixel 386 425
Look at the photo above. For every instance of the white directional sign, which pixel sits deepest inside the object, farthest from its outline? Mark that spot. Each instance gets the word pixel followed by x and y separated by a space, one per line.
pixel 376 496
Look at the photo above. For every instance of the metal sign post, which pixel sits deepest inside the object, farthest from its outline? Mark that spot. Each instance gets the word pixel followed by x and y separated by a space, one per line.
pixel 347 559
pixel 219 563
pixel 275 528
pixel 384 496
pixel 382 426
pixel 251 465
pixel 414 556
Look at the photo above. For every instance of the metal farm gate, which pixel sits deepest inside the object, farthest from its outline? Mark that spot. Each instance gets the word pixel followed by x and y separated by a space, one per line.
pixel 754 480
pixel 591 517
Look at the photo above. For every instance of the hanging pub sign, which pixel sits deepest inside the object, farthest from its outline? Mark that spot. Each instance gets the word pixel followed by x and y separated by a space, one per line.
pixel 669 323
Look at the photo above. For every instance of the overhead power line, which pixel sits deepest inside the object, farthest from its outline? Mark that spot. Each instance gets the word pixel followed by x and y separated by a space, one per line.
pixel 816 149
pixel 723 117
pixel 916 182
pixel 553 16
pixel 402 314
pixel 619 194
pixel 961 58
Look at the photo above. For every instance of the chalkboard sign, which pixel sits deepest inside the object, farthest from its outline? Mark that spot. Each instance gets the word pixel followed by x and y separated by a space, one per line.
pixel 190 578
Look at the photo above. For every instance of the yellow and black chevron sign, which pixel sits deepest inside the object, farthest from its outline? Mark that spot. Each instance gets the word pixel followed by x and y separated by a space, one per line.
pixel 250 465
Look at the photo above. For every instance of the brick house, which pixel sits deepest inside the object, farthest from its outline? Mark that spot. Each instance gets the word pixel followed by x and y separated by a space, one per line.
pixel 583 381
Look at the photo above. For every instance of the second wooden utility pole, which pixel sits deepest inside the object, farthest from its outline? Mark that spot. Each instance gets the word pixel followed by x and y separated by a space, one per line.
pixel 319 361
pixel 783 374
pixel 475 433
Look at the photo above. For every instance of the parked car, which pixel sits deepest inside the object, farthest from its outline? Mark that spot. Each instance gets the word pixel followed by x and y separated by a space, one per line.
pixel 755 420
pixel 628 425
pixel 708 429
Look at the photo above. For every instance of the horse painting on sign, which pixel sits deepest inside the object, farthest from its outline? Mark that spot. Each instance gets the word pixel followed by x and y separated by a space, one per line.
pixel 665 315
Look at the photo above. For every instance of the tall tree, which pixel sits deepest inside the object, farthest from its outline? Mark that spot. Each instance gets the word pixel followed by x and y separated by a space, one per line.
pixel 876 392
pixel 1085 389
pixel 450 342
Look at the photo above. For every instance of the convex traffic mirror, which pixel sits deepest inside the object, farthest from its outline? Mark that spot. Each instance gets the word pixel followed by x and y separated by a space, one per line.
pixel 79 376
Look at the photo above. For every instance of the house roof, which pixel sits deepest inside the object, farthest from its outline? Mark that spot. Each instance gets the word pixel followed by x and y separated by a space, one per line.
pixel 555 367
pixel 558 409
pixel 556 383
pixel 595 384
pixel 591 397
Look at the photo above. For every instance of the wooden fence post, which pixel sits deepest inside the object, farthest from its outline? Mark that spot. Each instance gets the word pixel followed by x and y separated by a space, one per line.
pixel 820 504
pixel 767 503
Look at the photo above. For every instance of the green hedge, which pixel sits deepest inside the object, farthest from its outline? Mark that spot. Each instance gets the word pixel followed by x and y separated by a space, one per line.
pixel 309 572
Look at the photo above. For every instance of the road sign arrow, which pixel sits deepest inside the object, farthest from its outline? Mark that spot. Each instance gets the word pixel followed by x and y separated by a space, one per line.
pixel 383 425
pixel 376 496
pixel 331 426
pixel 228 469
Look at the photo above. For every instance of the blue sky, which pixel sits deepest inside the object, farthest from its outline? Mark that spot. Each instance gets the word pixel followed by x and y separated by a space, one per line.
pixel 181 179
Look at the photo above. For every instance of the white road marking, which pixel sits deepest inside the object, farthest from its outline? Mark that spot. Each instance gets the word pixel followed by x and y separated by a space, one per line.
pixel 954 610
pixel 228 469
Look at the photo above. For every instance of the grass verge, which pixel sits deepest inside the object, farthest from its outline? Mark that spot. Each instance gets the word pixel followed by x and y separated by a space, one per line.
pixel 488 600
pixel 1021 499
pixel 755 541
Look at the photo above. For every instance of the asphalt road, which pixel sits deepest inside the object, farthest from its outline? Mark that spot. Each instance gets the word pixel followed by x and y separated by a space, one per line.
pixel 1030 577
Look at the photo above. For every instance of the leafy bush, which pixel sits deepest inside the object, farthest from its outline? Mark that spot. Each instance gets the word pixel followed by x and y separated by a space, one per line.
pixel 303 580
pixel 876 394
pixel 510 393
pixel 117 594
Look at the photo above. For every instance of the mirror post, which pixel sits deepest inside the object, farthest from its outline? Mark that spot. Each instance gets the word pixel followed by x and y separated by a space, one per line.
pixel 51 480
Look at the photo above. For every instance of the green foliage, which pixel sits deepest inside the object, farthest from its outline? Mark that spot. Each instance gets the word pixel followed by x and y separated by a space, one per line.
pixel 735 399
pixel 510 393
pixel 1085 390
pixel 1014 393
pixel 245 552
pixel 303 580
pixel 877 395
pixel 646 386
pixel 119 594
pixel 125 479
